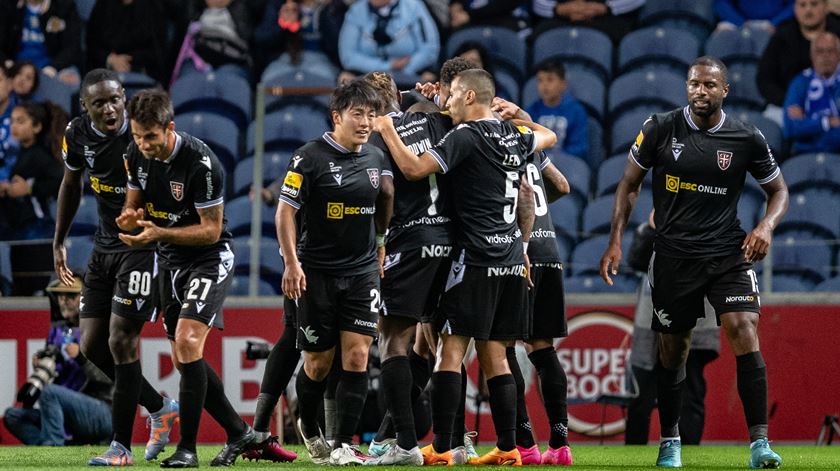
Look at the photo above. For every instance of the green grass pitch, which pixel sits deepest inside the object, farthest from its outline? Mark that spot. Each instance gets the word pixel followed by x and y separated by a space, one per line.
pixel 586 457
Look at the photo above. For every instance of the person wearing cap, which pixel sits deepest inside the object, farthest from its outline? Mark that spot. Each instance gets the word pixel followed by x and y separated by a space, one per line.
pixel 73 396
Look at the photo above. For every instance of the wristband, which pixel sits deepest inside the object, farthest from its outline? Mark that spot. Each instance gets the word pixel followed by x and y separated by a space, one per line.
pixel 525 246
pixel 380 240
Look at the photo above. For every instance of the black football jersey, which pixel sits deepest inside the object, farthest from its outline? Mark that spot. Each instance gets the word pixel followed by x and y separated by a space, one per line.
pixel 101 156
pixel 484 160
pixel 192 178
pixel 543 245
pixel 336 190
pixel 697 180
pixel 421 208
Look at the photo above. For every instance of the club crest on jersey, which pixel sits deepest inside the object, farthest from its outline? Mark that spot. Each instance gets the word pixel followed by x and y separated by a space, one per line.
pixel 676 148
pixel 177 189
pixel 724 158
pixel 373 175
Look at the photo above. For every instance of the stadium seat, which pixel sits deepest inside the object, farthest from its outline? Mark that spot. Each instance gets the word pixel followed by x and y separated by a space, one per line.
pixel 218 132
pixel 576 172
pixel 53 90
pixel 586 256
pixel 750 207
pixel 271 263
pixel 133 82
pixel 831 285
pixel 565 216
pixel 801 251
pixel 770 129
pixel 275 165
pixel 695 16
pixel 817 211
pixel 739 45
pixel 595 134
pixel 743 88
pixel 597 214
pixel 507 86
pixel 239 287
pixel 575 45
pixel 290 127
pixel 626 127
pixel 224 94
pixel 503 45
pixel 646 87
pixel 666 47
pixel 564 248
pixel 79 249
pixel 296 81
pixel 238 216
pixel 791 282
pixel 87 217
pixel 622 283
pixel 610 172
pixel 812 171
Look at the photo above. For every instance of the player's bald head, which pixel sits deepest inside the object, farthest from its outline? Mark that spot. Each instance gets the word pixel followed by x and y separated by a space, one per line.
pixel 480 82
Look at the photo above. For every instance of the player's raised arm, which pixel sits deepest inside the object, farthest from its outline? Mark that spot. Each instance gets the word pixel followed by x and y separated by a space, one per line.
pixel 545 137
pixel 414 167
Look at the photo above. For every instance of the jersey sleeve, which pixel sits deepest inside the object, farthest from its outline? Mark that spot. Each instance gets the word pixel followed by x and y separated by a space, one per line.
pixel 296 182
pixel 73 159
pixel 130 161
pixel 454 147
pixel 208 182
pixel 387 168
pixel 528 140
pixel 762 166
pixel 643 150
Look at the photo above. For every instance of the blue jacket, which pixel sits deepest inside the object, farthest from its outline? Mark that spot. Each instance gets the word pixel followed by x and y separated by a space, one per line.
pixel 739 11
pixel 813 133
pixel 411 29
pixel 568 120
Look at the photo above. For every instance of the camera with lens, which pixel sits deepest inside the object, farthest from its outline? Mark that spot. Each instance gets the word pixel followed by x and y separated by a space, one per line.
pixel 43 374
pixel 257 350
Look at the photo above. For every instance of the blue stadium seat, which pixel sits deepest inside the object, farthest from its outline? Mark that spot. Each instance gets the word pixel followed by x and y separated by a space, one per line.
pixel 275 165
pixel 87 217
pixel 224 94
pixel 575 45
pixel 290 127
pixel 799 250
pixel 576 172
pixel 792 282
pixel 743 88
pixel 610 172
pixel 271 263
pixel 812 171
pixel 239 287
pixel 739 45
pixel 503 45
pixel 595 134
pixel 133 82
pixel 5 263
pixel 565 216
pixel 238 216
pixel 507 86
pixel 666 47
pixel 622 283
pixel 626 127
pixel 586 256
pixel 220 133
pixel 291 79
pixel 817 211
pixel 770 129
pixel 646 87
pixel 695 16
pixel 750 208
pixel 564 248
pixel 831 285
pixel 79 249
pixel 58 92
pixel 529 93
pixel 597 214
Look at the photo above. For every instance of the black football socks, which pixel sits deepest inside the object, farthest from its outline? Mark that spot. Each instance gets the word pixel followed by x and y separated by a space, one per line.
pixel 310 395
pixel 752 388
pixel 503 408
pixel 553 386
pixel 350 395
pixel 219 407
pixel 191 401
pixel 524 434
pixel 445 386
pixel 127 380
pixel 669 384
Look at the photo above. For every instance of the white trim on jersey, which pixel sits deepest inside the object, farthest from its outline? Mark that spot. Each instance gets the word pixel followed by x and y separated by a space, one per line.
pixel 770 177
pixel 210 203
pixel 132 187
pixel 290 202
pixel 329 139
pixel 443 167
pixel 387 173
pixel 632 158
pixel 178 143
pixel 687 116
pixel 75 169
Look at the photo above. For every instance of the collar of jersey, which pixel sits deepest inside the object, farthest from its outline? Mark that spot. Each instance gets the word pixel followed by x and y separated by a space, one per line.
pixel 394 114
pixel 178 143
pixel 329 139
pixel 687 116
pixel 121 131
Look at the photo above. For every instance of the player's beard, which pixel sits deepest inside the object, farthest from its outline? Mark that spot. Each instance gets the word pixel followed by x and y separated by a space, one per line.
pixel 704 112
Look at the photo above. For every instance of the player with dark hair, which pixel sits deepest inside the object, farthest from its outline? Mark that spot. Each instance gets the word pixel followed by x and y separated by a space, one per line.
pixel 343 189
pixel 176 199
pixel 700 157
pixel 486 289
pixel 118 295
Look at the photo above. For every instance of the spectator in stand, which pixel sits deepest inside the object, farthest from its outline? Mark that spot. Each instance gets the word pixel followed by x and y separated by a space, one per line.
pixel 129 36
pixel 44 32
pixel 24 77
pixel 766 14
pixel 812 119
pixel 616 18
pixel 290 35
pixel 37 174
pixel 8 146
pixel 559 111
pixel 788 52
pixel 395 36
pixel 511 14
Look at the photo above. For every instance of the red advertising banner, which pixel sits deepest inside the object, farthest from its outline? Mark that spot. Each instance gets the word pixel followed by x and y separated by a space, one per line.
pixel 798 344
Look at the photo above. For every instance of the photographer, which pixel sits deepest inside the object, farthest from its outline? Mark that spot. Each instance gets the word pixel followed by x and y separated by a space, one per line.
pixel 73 396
